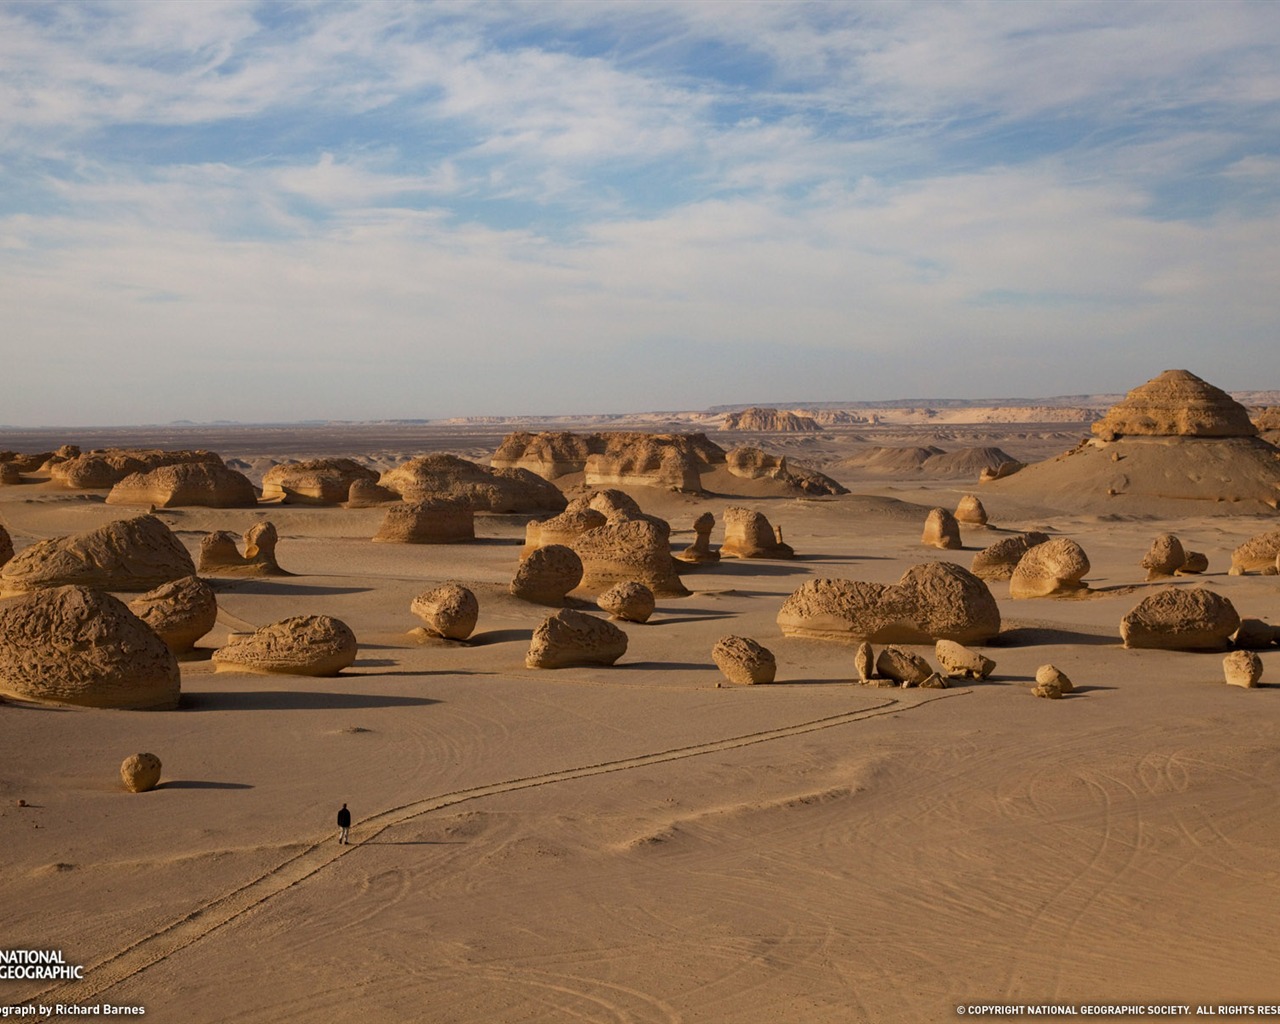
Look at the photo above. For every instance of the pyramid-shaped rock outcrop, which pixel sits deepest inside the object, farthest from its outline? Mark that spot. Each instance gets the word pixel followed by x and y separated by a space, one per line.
pixel 1176 404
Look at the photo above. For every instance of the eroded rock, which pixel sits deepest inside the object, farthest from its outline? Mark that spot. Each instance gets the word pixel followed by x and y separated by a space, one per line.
pixel 743 661
pixel 629 601
pixel 570 638
pixel 140 772
pixel 547 575
pixel 303 645
pixel 180 612
pixel 449 610
pixel 1180 618
pixel 1055 568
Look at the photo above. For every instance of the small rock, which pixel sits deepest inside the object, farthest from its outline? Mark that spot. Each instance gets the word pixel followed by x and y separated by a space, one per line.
pixel 1242 668
pixel 958 662
pixel 1051 675
pixel 903 666
pixel 140 772
pixel 629 601
pixel 864 662
pixel 744 661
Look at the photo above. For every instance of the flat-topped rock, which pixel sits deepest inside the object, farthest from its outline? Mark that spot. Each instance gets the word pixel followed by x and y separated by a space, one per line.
pixel 184 484
pixel 486 489
pixel 753 464
pixel 315 481
pixel 619 458
pixel 434 521
pixel 628 550
pixel 1180 618
pixel 302 645
pixel 103 469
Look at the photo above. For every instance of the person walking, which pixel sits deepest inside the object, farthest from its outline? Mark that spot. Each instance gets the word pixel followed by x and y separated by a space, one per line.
pixel 344 824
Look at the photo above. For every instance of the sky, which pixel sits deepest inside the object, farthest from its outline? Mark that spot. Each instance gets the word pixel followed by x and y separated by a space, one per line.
pixel 350 211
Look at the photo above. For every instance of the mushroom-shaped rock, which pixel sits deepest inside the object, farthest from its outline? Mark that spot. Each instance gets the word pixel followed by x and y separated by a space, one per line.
pixel 941 530
pixel 629 601
pixel 131 555
pixel 449 610
pixel 864 662
pixel 369 493
pixel 570 638
pixel 1255 635
pixel 748 534
pixel 1165 557
pixel 220 556
pixel 902 666
pixel 547 575
pixel 1257 554
pixel 304 645
pixel 1055 568
pixel 934 601
pixel 624 550
pixel 970 511
pixel 743 661
pixel 1179 404
pixel 180 612
pixel 1242 668
pixel 565 528
pixel 74 645
pixel 958 662
pixel 1180 618
pixel 140 772
pixel 998 561
pixel 700 550
pixel 314 481
pixel 1051 675
pixel 6 546
pixel 207 484
pixel 437 521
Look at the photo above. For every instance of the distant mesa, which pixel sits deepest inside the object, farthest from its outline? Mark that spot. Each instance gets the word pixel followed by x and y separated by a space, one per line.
pixel 770 421
pixel 501 489
pixel 315 481
pixel 132 555
pixel 206 484
pixel 304 645
pixel 102 469
pixel 77 646
pixel 220 554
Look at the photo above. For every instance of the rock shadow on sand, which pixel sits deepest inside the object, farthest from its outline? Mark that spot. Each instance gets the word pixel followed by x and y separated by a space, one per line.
pixel 294 700
pixel 278 587
pixel 199 784
pixel 1046 636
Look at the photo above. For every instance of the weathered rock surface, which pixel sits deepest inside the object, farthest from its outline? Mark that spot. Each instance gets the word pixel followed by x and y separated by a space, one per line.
pixel 315 481
pixel 998 561
pixel 486 489
pixel 1258 553
pixel 749 534
pixel 433 521
pixel 206 484
pixel 958 662
pixel 1165 557
pixel 1176 403
pixel 1055 568
pixel 970 511
pixel 624 459
pixel 700 551
pixel 303 645
pixel 104 468
pixel 565 528
pixel 935 601
pixel 864 662
pixel 1196 563
pixel 629 601
pixel 6 547
pixel 902 666
pixel 941 530
pixel 220 555
pixel 74 645
pixel 570 638
pixel 743 661
pixel 1180 618
pixel 368 494
pixel 1242 668
pixel 547 575
pixel 132 555
pixel 9 474
pixel 1051 675
pixel 628 550
pixel 449 610
pixel 180 612
pixel 771 421
pixel 754 464
pixel 140 772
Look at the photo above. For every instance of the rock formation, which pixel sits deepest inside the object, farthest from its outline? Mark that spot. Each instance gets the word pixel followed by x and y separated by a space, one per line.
pixel 998 561
pixel 304 645
pixel 1055 568
pixel 441 476
pixel 132 555
pixel 1176 404
pixel 433 521
pixel 769 421
pixel 941 530
pixel 748 534
pixel 700 550
pixel 449 610
pixel 1257 553
pixel 934 601
pixel 140 772
pixel 206 484
pixel 103 469
pixel 565 528
pixel 864 662
pixel 669 461
pixel 314 481
pixel 1242 668
pixel 902 666
pixel 970 511
pixel 547 575
pixel 73 645
pixel 1165 557
pixel 6 547
pixel 1180 618
pixel 754 464
pixel 628 601
pixel 743 661
pixel 1052 676
pixel 628 550
pixel 220 556
pixel 570 638
pixel 958 662
pixel 368 493
pixel 180 612
pixel 9 474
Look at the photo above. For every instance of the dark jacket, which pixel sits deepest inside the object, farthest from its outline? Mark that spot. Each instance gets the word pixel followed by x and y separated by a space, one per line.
pixel 344 818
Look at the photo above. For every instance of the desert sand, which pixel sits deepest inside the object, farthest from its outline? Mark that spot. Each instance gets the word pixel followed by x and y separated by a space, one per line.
pixel 646 842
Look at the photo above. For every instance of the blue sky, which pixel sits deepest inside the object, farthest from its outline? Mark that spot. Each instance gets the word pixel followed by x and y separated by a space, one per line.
pixel 274 211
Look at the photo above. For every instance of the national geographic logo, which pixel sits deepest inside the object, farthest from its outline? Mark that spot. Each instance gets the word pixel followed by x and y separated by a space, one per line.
pixel 37 965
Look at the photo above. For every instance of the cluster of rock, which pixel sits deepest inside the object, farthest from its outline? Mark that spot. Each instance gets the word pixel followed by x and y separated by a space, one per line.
pixel 897 666
pixel 315 481
pixel 486 489
pixel 103 468
pixel 931 602
pixel 754 464
pixel 568 638
pixel 306 645
pixel 1051 682
pixel 749 534
pixel 772 421
pixel 998 561
pixel 1167 557
pixel 431 521
pixel 220 554
pixel 14 464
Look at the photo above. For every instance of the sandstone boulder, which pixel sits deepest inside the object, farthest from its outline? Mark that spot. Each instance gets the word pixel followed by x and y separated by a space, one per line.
pixel 570 638
pixel 565 528
pixel 104 468
pixel 628 550
pixel 610 502
pixel 1165 557
pixel 133 555
pixel 902 666
pixel 1055 568
pixel 180 612
pixel 434 521
pixel 1176 403
pixel 140 772
pixel 547 575
pixel 369 493
pixel 304 645
pixel 615 458
pixel 206 484
pixel 748 534
pixel 1242 668
pixel 440 476
pixel 1180 618
pixel 970 511
pixel 629 601
pixel 935 601
pixel 864 662
pixel 449 610
pixel 958 662
pixel 743 661
pixel 700 550
pixel 1258 553
pixel 1052 676
pixel 998 561
pixel 1196 563
pixel 220 555
pixel 315 481
pixel 9 474
pixel 1051 690
pixel 941 530
pixel 73 645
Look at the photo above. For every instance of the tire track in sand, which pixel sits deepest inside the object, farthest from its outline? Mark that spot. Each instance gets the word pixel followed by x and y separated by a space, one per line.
pixel 106 973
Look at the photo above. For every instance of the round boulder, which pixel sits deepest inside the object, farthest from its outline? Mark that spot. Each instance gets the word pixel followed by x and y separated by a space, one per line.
pixel 570 638
pixel 1242 668
pixel 998 561
pixel 547 575
pixel 970 511
pixel 629 601
pixel 180 612
pixel 1180 618
pixel 449 610
pixel 1165 557
pixel 140 772
pixel 743 661
pixel 1055 568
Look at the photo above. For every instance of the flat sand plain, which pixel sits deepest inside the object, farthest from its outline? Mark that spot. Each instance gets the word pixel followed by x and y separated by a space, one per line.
pixel 642 844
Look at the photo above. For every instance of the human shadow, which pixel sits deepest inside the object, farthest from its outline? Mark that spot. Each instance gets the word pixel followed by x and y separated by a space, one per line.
pixel 294 700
